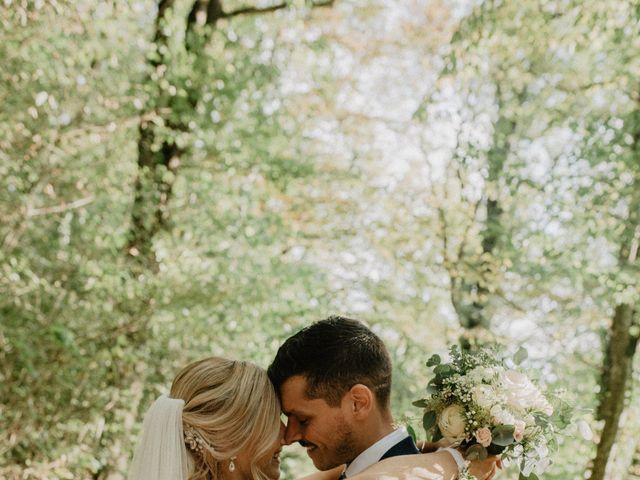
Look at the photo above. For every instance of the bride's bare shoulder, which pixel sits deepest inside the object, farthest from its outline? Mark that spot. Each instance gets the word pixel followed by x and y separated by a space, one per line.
pixel 430 466
pixel 333 474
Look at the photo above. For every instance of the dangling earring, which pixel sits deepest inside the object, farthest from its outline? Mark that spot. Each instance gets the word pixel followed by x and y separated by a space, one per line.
pixel 232 466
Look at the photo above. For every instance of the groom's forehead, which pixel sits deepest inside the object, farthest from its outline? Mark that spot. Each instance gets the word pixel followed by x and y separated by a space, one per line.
pixel 294 399
pixel 294 389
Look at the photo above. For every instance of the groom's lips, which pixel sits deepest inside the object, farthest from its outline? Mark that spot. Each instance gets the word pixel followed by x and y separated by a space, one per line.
pixel 307 445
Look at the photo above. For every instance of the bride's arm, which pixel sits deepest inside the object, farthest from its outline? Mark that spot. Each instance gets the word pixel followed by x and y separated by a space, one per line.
pixel 332 474
pixel 429 466
pixel 426 466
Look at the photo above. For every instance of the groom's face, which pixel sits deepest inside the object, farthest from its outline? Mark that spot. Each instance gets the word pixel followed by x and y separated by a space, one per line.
pixel 326 432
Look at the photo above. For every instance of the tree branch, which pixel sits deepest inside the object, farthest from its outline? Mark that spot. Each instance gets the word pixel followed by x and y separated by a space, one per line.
pixel 272 8
pixel 326 3
pixel 63 207
pixel 254 10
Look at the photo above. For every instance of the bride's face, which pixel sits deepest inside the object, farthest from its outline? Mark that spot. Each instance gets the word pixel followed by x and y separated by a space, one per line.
pixel 272 462
pixel 269 464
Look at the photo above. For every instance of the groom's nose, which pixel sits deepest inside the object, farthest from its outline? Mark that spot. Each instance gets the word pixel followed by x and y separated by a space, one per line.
pixel 292 433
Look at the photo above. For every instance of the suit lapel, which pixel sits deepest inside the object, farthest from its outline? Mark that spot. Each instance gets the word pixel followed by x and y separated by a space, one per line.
pixel 403 447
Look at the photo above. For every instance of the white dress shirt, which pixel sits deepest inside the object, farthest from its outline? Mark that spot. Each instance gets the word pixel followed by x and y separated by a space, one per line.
pixel 374 453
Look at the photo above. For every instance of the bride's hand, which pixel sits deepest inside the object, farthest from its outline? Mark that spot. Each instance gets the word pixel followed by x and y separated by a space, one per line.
pixel 430 447
pixel 485 469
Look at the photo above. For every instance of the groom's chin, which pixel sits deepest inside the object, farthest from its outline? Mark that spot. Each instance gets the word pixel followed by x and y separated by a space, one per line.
pixel 318 462
pixel 323 464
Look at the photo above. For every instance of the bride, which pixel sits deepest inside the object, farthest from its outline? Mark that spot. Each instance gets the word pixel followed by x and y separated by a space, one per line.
pixel 221 421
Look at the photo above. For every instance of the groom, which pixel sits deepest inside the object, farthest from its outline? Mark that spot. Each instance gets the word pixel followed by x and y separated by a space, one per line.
pixel 334 381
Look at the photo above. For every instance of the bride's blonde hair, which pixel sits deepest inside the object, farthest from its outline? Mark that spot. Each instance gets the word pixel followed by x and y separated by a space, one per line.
pixel 230 407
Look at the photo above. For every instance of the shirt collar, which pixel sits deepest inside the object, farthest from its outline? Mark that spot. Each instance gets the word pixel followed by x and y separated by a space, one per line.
pixel 374 453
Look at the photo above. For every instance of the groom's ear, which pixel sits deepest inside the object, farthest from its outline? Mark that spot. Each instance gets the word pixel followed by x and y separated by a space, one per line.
pixel 361 400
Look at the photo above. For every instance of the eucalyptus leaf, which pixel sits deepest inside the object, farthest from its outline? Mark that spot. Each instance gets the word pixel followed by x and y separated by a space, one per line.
pixel 429 420
pixel 503 435
pixel 443 371
pixel 433 360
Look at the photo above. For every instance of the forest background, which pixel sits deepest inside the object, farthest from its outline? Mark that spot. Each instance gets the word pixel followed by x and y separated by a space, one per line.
pixel 186 178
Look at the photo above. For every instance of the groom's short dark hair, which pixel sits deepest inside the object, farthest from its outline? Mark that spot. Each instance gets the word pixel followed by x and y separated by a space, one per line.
pixel 334 355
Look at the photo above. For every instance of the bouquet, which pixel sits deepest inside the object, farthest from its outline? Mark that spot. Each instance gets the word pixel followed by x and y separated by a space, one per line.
pixel 483 407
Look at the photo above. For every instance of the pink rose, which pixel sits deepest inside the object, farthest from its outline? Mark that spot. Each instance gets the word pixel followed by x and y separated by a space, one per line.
pixel 483 436
pixel 518 432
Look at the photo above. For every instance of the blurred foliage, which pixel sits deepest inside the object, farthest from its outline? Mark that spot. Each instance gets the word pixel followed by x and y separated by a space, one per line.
pixel 333 160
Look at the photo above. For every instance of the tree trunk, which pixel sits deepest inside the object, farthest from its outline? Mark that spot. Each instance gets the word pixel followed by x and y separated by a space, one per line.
pixel 158 154
pixel 621 349
pixel 156 173
pixel 622 340
pixel 470 299
pixel 157 164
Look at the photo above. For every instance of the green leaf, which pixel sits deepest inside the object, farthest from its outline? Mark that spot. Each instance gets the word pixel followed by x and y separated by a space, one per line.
pixel 434 360
pixel 503 435
pixel 520 356
pixel 443 370
pixel 421 403
pixel 532 476
pixel 412 433
pixel 429 420
pixel 433 386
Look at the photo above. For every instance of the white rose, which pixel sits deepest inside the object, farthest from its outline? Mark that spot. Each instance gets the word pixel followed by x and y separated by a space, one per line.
pixel 481 374
pixel 521 393
pixel 451 423
pixel 500 416
pixel 484 395
pixel 540 403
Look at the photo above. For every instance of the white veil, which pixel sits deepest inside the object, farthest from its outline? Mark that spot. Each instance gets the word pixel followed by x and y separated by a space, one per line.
pixel 161 453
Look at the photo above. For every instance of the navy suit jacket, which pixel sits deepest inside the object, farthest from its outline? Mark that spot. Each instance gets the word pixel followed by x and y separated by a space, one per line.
pixel 403 447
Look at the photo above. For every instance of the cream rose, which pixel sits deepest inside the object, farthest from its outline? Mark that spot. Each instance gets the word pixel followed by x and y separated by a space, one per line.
pixel 483 436
pixel 451 423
